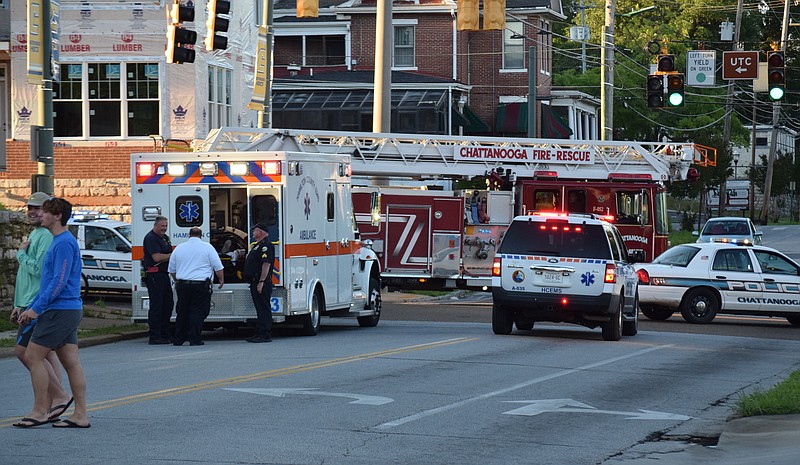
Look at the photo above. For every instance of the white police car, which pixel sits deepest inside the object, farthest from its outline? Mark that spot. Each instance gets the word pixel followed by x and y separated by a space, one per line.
pixel 105 251
pixel 564 267
pixel 701 280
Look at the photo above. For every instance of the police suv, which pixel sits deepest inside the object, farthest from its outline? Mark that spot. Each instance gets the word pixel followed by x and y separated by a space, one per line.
pixel 564 267
pixel 105 251
pixel 701 280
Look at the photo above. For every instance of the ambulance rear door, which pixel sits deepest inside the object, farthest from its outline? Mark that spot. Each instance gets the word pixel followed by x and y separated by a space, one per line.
pixel 188 208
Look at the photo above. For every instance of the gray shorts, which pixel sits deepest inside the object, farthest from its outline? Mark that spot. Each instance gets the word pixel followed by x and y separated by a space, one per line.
pixel 55 328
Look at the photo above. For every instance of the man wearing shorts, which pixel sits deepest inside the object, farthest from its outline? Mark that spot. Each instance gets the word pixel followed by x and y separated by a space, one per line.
pixel 30 257
pixel 58 309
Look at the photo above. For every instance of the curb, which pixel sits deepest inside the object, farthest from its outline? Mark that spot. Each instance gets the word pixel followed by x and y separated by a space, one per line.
pixel 8 352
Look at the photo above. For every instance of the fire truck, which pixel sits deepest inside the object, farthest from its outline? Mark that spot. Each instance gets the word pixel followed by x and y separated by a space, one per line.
pixel 429 234
pixel 321 266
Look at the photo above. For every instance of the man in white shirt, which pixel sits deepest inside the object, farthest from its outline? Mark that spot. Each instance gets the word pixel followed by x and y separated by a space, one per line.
pixel 192 266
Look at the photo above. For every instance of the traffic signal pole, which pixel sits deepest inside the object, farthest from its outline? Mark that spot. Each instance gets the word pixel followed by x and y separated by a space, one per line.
pixel 382 105
pixel 607 75
pixel 776 114
pixel 45 182
pixel 265 115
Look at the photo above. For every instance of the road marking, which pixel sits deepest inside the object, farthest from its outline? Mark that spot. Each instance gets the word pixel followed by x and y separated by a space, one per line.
pixel 281 392
pixel 536 407
pixel 6 422
pixel 461 403
pixel 189 354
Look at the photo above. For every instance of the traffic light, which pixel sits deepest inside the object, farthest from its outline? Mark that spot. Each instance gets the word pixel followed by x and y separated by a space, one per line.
pixel 494 15
pixel 307 8
pixel 178 37
pixel 468 15
pixel 776 75
pixel 675 89
pixel 655 91
pixel 666 63
pixel 216 24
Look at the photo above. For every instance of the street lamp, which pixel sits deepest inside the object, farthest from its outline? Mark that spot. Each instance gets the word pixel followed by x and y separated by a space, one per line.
pixel 735 165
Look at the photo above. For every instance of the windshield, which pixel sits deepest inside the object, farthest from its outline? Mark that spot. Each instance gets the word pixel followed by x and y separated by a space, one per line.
pixel 125 231
pixel 679 255
pixel 556 238
pixel 726 228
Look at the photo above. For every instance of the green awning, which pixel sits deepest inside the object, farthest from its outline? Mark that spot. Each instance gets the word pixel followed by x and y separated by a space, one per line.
pixel 470 121
pixel 513 118
pixel 553 125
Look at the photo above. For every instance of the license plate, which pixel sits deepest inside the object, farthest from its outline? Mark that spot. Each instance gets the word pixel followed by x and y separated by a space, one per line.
pixel 554 278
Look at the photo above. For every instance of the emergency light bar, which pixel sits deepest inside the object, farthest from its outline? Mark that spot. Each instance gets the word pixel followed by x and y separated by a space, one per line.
pixel 545 174
pixel 629 177
pixel 208 168
pixel 270 167
pixel 239 168
pixel 145 169
pixel 176 170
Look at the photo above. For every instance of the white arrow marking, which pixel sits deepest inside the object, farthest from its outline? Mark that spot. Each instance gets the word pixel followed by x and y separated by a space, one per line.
pixel 536 407
pixel 741 70
pixel 281 392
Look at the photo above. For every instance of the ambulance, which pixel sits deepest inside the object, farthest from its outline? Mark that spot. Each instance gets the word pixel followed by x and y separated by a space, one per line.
pixel 321 267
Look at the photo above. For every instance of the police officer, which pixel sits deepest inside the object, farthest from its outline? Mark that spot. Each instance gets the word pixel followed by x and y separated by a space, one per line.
pixel 157 250
pixel 258 272
pixel 192 266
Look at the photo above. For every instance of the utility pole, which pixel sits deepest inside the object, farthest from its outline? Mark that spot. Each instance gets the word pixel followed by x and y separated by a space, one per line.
pixel 532 72
pixel 726 130
pixel 607 75
pixel 265 115
pixel 43 181
pixel 583 37
pixel 382 105
pixel 776 113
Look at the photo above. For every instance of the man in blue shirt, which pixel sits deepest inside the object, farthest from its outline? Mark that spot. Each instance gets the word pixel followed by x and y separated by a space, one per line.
pixel 58 308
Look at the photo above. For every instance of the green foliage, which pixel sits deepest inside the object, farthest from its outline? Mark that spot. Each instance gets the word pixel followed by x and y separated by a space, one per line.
pixel 681 237
pixel 5 323
pixel 688 221
pixel 783 399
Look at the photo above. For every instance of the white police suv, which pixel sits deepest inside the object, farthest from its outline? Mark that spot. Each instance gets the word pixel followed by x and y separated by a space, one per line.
pixel 105 251
pixel 564 267
pixel 702 280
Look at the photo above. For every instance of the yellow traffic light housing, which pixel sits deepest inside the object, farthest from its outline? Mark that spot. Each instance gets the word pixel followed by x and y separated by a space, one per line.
pixel 307 8
pixel 180 41
pixel 216 24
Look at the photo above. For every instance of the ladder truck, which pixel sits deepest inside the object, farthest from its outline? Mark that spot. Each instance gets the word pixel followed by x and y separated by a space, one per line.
pixel 429 234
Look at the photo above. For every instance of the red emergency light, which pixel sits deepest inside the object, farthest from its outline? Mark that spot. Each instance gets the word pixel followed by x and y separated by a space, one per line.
pixel 145 170
pixel 270 167
pixel 629 177
pixel 545 174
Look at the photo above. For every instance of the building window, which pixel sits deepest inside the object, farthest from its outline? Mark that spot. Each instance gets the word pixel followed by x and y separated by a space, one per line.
pixel 513 46
pixel 403 47
pixel 219 97
pixel 107 100
pixel 761 142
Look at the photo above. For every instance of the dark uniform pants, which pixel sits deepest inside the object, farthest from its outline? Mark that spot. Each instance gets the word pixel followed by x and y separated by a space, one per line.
pixel 194 305
pixel 161 302
pixel 263 311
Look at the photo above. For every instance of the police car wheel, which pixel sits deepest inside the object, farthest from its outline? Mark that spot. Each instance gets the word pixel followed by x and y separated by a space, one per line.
pixel 84 287
pixel 656 313
pixel 793 320
pixel 524 326
pixel 630 328
pixel 502 319
pixel 612 329
pixel 699 306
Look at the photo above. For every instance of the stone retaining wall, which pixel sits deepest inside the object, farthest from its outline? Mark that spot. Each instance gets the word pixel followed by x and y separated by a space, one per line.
pixel 14 229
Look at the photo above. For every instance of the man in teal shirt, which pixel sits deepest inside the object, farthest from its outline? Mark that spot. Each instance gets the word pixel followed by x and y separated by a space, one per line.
pixel 30 257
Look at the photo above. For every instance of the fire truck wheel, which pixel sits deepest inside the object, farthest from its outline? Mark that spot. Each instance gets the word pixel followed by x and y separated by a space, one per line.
pixel 793 320
pixel 373 303
pixel 502 319
pixel 612 330
pixel 699 306
pixel 311 321
pixel 657 313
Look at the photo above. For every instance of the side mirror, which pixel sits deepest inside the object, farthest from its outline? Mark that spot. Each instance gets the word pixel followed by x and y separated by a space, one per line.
pixel 375 208
pixel 695 233
pixel 758 233
pixel 636 256
pixel 123 248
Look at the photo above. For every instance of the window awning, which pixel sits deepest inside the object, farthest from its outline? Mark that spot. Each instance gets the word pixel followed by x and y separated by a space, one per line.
pixel 470 121
pixel 553 125
pixel 513 117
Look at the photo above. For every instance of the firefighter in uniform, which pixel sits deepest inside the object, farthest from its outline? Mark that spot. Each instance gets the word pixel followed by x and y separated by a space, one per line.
pixel 258 273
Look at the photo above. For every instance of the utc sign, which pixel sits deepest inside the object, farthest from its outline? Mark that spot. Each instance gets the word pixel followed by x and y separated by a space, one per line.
pixel 739 65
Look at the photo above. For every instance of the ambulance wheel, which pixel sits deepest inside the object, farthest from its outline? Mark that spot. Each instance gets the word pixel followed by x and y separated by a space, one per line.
pixel 699 306
pixel 373 303
pixel 311 321
pixel 793 320
pixel 612 329
pixel 502 319
pixel 658 314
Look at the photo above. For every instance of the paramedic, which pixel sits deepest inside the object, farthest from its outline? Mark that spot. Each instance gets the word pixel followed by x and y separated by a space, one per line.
pixel 157 250
pixel 192 266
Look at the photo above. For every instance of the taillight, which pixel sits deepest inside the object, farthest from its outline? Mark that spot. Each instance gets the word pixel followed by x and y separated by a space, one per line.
pixel 644 277
pixel 611 273
pixel 496 265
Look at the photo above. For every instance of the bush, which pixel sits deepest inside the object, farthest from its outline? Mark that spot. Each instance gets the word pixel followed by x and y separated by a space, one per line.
pixel 688 220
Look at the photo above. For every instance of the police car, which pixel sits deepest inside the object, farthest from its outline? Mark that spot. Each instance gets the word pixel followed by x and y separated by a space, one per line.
pixel 564 267
pixel 702 280
pixel 105 250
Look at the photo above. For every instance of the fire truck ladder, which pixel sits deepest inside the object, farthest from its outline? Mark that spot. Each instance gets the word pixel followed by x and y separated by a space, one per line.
pixel 424 157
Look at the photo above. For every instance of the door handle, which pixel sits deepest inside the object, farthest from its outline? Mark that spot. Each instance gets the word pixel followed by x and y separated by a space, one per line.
pixel 720 277
pixel 769 280
pixel 87 256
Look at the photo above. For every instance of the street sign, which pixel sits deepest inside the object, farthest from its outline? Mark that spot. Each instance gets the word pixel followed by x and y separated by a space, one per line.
pixel 739 65
pixel 700 66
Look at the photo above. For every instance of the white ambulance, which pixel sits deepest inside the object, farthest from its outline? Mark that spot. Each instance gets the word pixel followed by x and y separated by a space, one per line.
pixel 321 266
